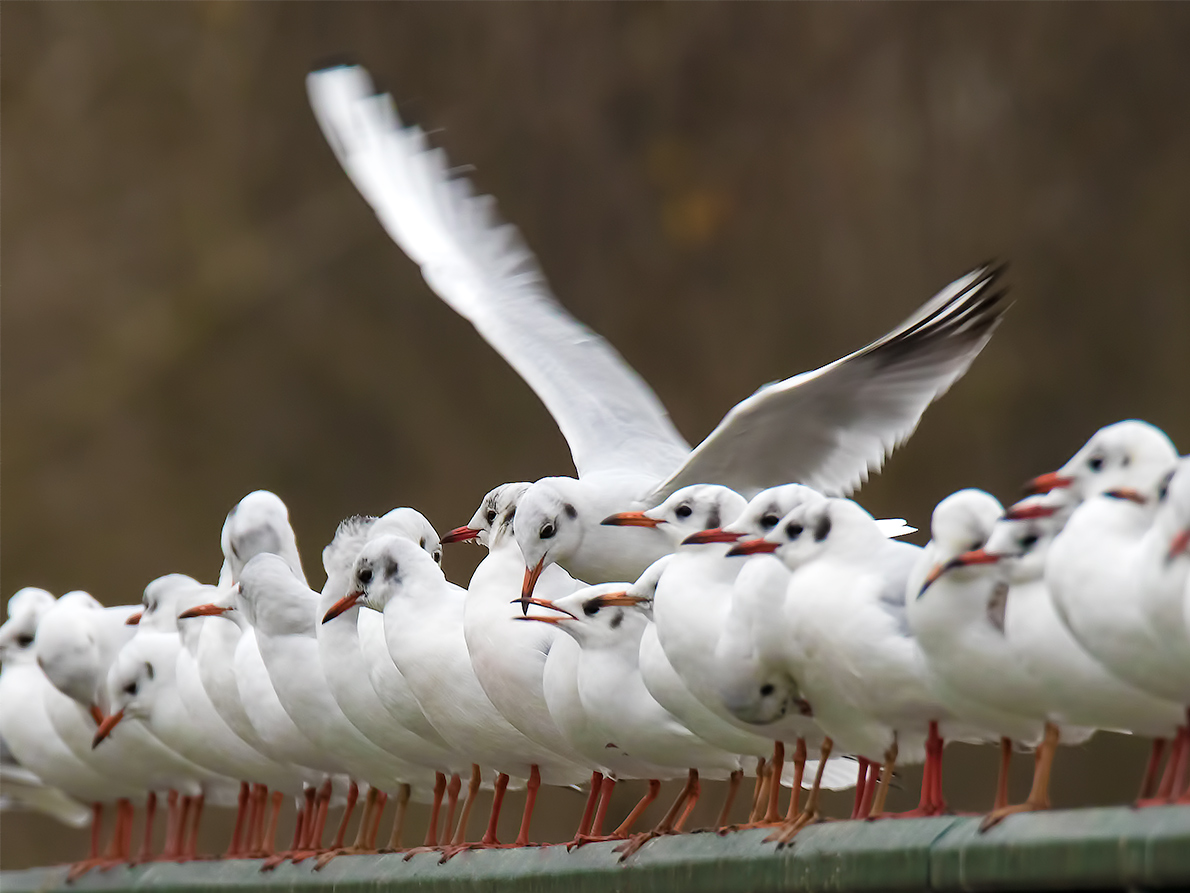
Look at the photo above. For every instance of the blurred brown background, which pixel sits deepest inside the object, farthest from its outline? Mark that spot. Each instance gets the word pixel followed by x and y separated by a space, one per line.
pixel 196 302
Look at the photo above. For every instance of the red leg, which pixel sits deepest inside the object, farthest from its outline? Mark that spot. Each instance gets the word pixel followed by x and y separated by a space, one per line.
pixel 348 809
pixel 733 787
pixel 639 809
pixel 695 791
pixel 235 847
pixel 1149 781
pixel 146 846
pixel 777 767
pixel 435 810
pixel 605 799
pixel 865 809
pixel 452 803
pixel 861 785
pixel 584 824
pixel 96 828
pixel 522 839
pixel 489 837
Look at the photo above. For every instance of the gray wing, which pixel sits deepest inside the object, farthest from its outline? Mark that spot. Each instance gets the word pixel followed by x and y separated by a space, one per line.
pixel 831 427
pixel 609 416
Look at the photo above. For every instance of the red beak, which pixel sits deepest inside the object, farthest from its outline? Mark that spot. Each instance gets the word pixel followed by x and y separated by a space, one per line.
pixel 205 611
pixel 753 547
pixel 345 603
pixel 531 575
pixel 133 619
pixel 977 556
pixel 630 519
pixel 96 714
pixel 105 728
pixel 461 535
pixel 1029 512
pixel 1126 493
pixel 1043 483
pixel 713 535
pixel 1180 543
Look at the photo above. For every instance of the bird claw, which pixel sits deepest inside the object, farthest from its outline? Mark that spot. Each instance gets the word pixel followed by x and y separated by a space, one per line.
pixel 996 816
pixel 787 831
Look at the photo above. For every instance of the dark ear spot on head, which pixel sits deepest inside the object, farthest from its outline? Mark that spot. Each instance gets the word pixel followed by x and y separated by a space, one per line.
pixel 571 511
pixel 390 568
pixel 822 529
pixel 149 669
pixel 713 519
pixel 617 618
pixel 422 542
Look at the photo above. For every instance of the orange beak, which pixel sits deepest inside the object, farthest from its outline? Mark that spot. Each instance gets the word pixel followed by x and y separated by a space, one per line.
pixel 531 575
pixel 1029 512
pixel 345 603
pixel 619 599
pixel 105 728
pixel 543 603
pixel 713 535
pixel 134 619
pixel 753 547
pixel 977 556
pixel 461 535
pixel 1180 543
pixel 1043 483
pixel 631 519
pixel 205 611
pixel 1126 493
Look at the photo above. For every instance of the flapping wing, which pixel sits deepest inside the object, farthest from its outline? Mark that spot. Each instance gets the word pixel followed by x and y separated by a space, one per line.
pixel 831 427
pixel 480 267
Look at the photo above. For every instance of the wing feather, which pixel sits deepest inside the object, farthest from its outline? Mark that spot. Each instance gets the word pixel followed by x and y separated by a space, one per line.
pixel 609 416
pixel 831 427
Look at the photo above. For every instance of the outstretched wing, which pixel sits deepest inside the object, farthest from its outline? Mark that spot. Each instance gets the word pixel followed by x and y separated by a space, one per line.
pixel 480 267
pixel 831 427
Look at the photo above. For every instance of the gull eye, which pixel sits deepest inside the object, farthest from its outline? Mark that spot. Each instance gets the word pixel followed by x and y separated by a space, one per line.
pixel 130 688
pixel 365 575
pixel 24 640
pixel 1095 463
pixel 491 515
pixel 1028 542
pixel 547 531
pixel 769 521
pixel 793 530
pixel 591 608
pixel 684 511
pixel 438 557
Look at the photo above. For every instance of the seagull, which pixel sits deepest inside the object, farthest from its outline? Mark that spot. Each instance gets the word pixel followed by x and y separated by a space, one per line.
pixel 608 627
pixel 392 719
pixel 1079 690
pixel 423 622
pixel 842 636
pixel 957 598
pixel 28 730
pixel 828 428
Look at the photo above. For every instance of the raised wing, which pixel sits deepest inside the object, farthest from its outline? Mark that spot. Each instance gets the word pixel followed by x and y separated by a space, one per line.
pixel 609 416
pixel 831 427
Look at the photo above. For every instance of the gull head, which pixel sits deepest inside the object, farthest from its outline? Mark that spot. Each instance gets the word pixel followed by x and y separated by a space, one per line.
pixel 810 530
pixel 760 515
pixel 959 529
pixel 548 529
pixel 492 523
pixel 606 616
pixel 1127 455
pixel 26 607
pixel 388 567
pixel 70 650
pixel 687 511
pixel 1022 537
pixel 258 523
pixel 160 602
pixel 142 672
pixel 276 601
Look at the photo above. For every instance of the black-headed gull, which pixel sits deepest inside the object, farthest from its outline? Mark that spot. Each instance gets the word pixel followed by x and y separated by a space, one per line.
pixel 828 428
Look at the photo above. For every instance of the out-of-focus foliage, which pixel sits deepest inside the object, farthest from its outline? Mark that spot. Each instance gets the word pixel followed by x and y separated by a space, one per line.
pixel 197 303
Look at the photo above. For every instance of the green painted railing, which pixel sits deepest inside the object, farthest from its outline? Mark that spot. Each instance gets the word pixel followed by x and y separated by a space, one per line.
pixel 1087 849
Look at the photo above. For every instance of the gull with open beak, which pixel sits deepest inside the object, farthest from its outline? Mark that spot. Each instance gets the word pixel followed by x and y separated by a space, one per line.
pixel 1104 564
pixel 828 428
pixel 607 627
pixel 29 732
pixel 957 600
pixel 423 621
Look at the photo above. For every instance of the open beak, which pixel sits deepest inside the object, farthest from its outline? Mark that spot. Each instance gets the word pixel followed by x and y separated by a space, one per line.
pixel 753 547
pixel 1180 543
pixel 542 603
pixel 105 728
pixel 531 575
pixel 461 535
pixel 631 519
pixel 1029 512
pixel 713 535
pixel 977 556
pixel 133 619
pixel 345 603
pixel 1043 483
pixel 211 610
pixel 1126 493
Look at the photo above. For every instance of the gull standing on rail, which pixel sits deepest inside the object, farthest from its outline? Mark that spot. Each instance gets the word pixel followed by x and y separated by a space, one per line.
pixel 828 428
